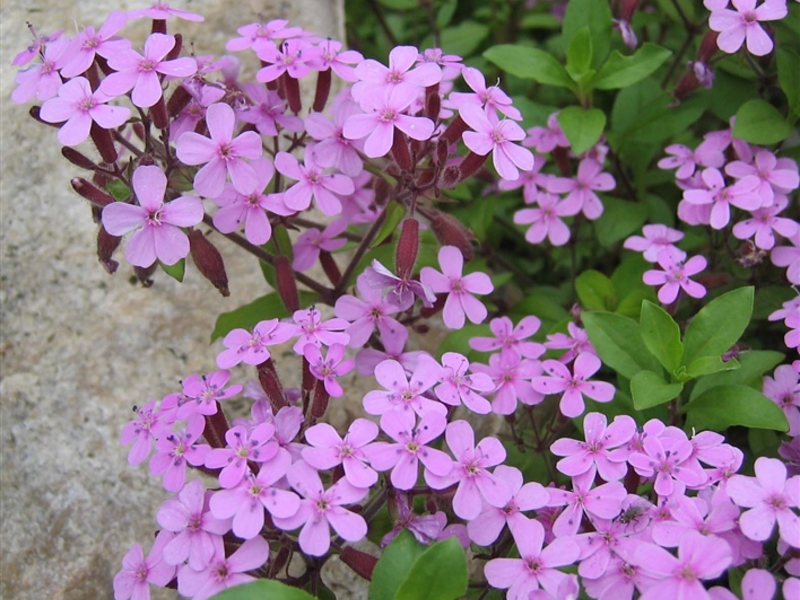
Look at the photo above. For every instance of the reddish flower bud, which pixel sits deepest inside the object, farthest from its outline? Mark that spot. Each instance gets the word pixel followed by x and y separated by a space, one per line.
pixel 77 159
pixel 292 88
pixel 628 8
pixel 400 150
pixel 320 402
pixel 280 560
pixel 271 384
pixel 470 165
pixel 176 49
pixel 450 232
pixel 308 379
pixel 178 101
pixel 433 102
pixel 144 274
pixel 450 177
pixel 330 267
pixel 708 47
pixel 442 152
pixel 287 286
pixel 93 194
pixel 102 140
pixel 208 261
pixel 216 427
pixel 361 562
pixel 159 26
pixel 561 156
pixel 158 112
pixel 382 191
pixel 323 89
pixel 407 248
pixel 106 245
pixel 453 132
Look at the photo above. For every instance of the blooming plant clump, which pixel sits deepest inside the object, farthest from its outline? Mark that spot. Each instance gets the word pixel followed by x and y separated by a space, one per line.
pixel 578 432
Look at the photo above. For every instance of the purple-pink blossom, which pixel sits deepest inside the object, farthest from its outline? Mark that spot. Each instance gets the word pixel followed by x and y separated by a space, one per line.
pixel 656 238
pixel 496 136
pixel 581 189
pixel 223 572
pixel 312 182
pixel 138 572
pixel 510 339
pixel 742 23
pixel 256 445
pixel 327 450
pixel 156 223
pixel 460 288
pixel 545 221
pixel 402 392
pixel 177 449
pixel 573 385
pixel 329 368
pixel 251 348
pixel 675 275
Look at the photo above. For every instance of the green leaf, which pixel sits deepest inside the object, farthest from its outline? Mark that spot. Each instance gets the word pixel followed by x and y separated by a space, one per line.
pixel 462 39
pixel 263 588
pixel 118 189
pixel 440 573
pixel 619 220
pixel 622 71
pixel 458 339
pixel 619 343
pixel 595 291
pixel 529 63
pixel 758 122
pixel 649 389
pixel 708 365
pixel 583 127
pixel 579 53
pixel 596 16
pixel 726 405
pixel 248 316
pixel 175 271
pixel 400 4
pixel 789 77
pixel 661 335
pixel 539 21
pixel 445 13
pixel 752 365
pixel 394 215
pixel 718 325
pixel 394 566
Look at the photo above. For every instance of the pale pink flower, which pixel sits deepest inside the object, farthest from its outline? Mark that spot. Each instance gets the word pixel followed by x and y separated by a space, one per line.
pixel 764 222
pixel 337 60
pixel 393 349
pixel 139 73
pixel 202 393
pixel 665 459
pixel 457 387
pixel 573 385
pixel 330 368
pixel 774 176
pixel 603 501
pixel 294 57
pixel 581 189
pixel 402 290
pixel 575 341
pixel 256 35
pixel 313 330
pixel 695 514
pixel 267 112
pixel 734 26
pixel 789 256
pixel 367 313
pixel 41 80
pixel 545 221
pixel 537 566
pixel 312 182
pixel 156 223
pixel 546 139
pixel 149 425
pixel 491 98
pixel 251 348
pixel 532 180
pixel 675 275
pixel 460 288
pixel 511 376
pixel 36 47
pixel 332 148
pixel 375 78
pixel 742 194
pixel 81 53
pixel 221 154
pixel 162 11
pixel 321 509
pixel 770 496
pixel 178 449
pixel 401 392
pixel 411 447
pixel 683 158
pixel 138 572
pixel 656 238
pixel 493 135
pixel 256 445
pixel 327 450
pixel 785 392
pixel 312 241
pixel 510 339
pixel 223 572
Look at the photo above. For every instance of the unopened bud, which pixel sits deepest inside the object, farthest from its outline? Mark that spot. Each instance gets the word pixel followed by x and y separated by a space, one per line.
pixel 561 156
pixel 628 8
pixel 34 112
pixel 144 274
pixel 453 132
pixel 158 112
pixel 400 150
pixel 470 165
pixel 708 47
pixel 102 140
pixel 422 328
pixel 292 89
pixel 433 102
pixel 361 562
pixel 442 152
pixel 330 267
pixel 178 101
pixel 407 248
pixel 382 191
pixel 208 261
pixel 323 89
pixel 176 49
pixel 77 159
pixel 320 402
pixel 450 177
pixel 287 286
pixel 159 26
pixel 106 245
pixel 93 194
pixel 271 384
pixel 450 232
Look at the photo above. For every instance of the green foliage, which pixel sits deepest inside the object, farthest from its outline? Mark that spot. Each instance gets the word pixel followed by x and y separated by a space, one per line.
pixel 619 343
pixel 261 589
pixel 623 71
pixel 758 122
pixel 619 220
pixel 649 389
pixel 176 271
pixel 583 127
pixel 529 63
pixel 596 18
pixel 752 365
pixel 394 215
pixel 595 291
pixel 662 336
pixel 723 406
pixel 789 78
pixel 248 316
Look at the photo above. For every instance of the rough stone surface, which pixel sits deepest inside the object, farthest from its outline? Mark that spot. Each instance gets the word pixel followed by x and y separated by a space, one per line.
pixel 80 347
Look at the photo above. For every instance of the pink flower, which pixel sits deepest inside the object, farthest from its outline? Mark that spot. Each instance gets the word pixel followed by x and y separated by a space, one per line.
pixel 256 35
pixel 322 509
pixel 741 194
pixel 332 148
pixel 221 154
pixel 789 256
pixel 665 459
pixel 764 221
pixel 656 238
pixel 156 223
pixel 187 516
pixel 683 157
pixel 425 528
pixel 141 73
pixel 492 135
pixel 545 221
pixel 475 483
pixel 393 346
pixel 245 502
pixel 734 26
pixel 295 57
pixel 256 445
pixel 88 43
pixel 675 275
pixel 175 450
pixel 595 454
pixel 137 572
pixel 536 567
pixel 328 450
pixel 313 330
pixel 491 98
pixel 770 496
pixel 42 80
pixel 312 182
pixel 574 342
pixel 332 57
pixel 774 176
pixel 375 78
pixel 512 381
pixel 202 393
pixel 695 514
pixel 573 385
pixel 530 180
pixel 162 11
pixel 384 113
pixel 251 348
pixel 546 139
pixel 80 107
pixel 580 189
pixel 699 558
pixel 411 447
pixel 267 112
pixel 460 289
pixel 459 388
pixel 311 241
pixel 486 527
pixel 603 501
pixel 148 425
pixel 785 392
pixel 36 47
pixel 402 290
pixel 366 314
pixel 330 368
pixel 510 340
pixel 223 572
pixel 402 393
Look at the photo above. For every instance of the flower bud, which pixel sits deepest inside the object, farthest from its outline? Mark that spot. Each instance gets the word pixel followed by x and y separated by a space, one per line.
pixel 433 102
pixel 450 232
pixel 77 159
pixel 400 150
pixel 144 274
pixel 208 261
pixel 708 47
pixel 158 112
pixel 470 165
pixel 453 132
pixel 330 267
pixel 178 101
pixel 287 287
pixel 382 191
pixel 450 177
pixel 320 402
pixel 102 140
pixel 159 26
pixel 407 248
pixel 176 49
pixel 322 91
pixel 292 89
pixel 93 194
pixel 271 384
pixel 361 562
pixel 106 245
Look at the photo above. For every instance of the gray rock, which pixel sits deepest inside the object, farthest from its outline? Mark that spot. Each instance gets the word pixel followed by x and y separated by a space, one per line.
pixel 79 347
